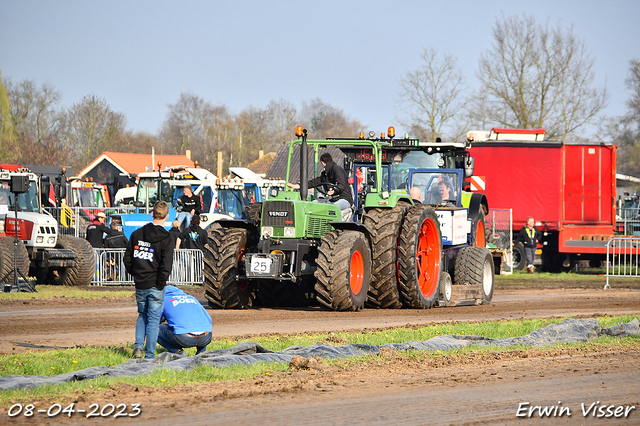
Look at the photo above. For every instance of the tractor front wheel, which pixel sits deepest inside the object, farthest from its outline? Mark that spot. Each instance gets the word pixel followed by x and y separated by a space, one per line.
pixel 344 270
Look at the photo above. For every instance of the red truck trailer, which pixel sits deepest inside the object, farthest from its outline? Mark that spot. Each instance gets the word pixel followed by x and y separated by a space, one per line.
pixel 568 188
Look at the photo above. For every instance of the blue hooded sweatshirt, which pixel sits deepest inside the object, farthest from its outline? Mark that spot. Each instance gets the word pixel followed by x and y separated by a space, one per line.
pixel 184 313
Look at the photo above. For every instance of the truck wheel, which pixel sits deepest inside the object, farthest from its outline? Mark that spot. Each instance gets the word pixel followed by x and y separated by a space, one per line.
pixel 384 227
pixel 518 257
pixel 8 253
pixel 478 238
pixel 221 260
pixel 344 270
pixel 253 212
pixel 474 266
pixel 419 258
pixel 85 264
pixel 446 290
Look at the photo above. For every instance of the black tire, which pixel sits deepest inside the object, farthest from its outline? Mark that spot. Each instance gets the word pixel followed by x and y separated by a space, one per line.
pixel 420 258
pixel 474 266
pixel 221 264
pixel 479 230
pixel 253 212
pixel 446 290
pixel 518 257
pixel 384 226
pixel 85 264
pixel 8 253
pixel 344 270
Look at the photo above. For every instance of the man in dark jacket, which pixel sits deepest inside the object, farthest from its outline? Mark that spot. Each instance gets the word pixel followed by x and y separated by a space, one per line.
pixel 530 237
pixel 96 229
pixel 149 259
pixel 336 175
pixel 190 206
pixel 117 240
pixel 194 237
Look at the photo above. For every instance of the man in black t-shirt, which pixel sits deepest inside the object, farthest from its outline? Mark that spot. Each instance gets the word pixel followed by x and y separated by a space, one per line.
pixel 190 206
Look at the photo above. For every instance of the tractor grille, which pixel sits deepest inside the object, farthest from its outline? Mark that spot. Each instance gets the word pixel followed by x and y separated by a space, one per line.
pixel 317 227
pixel 276 213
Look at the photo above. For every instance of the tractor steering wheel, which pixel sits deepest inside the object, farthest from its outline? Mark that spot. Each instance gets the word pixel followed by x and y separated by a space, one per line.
pixel 321 188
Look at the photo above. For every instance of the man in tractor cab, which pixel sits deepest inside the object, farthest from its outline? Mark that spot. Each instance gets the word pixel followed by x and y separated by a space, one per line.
pixel 441 194
pixel 340 193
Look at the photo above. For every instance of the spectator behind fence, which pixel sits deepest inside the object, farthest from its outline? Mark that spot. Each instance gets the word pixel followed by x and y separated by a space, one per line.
pixel 149 259
pixel 193 237
pixel 96 230
pixel 114 261
pixel 188 323
pixel 175 234
pixel 117 239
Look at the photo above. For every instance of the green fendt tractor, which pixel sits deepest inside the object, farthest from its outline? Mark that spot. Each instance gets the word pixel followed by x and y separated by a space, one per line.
pixel 298 249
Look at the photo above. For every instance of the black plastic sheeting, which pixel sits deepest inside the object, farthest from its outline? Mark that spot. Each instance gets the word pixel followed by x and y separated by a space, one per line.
pixel 568 331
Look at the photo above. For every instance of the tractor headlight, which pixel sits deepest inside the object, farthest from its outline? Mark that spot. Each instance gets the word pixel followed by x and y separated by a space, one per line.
pixel 51 240
pixel 203 218
pixel 39 239
pixel 267 231
pixel 289 231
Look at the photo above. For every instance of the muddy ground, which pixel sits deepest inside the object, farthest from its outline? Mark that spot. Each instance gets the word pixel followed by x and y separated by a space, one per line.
pixel 396 389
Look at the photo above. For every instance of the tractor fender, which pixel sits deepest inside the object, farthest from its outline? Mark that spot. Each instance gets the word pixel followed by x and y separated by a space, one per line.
pixel 476 202
pixel 239 223
pixel 353 226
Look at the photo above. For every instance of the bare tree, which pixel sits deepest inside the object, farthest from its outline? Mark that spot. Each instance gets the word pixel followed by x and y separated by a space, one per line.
pixel 432 97
pixel 324 120
pixel 195 124
pixel 7 134
pixel 281 119
pixel 539 77
pixel 92 127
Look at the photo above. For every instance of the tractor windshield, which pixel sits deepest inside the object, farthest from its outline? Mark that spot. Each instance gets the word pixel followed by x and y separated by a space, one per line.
pixel 230 202
pixel 148 190
pixel 436 187
pixel 88 197
pixel 27 202
pixel 413 160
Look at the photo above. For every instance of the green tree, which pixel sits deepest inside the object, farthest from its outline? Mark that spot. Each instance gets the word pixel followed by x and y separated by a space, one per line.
pixel 7 134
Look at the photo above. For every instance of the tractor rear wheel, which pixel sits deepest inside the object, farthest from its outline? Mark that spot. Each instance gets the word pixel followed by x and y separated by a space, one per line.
pixel 344 270
pixel 384 226
pixel 419 258
pixel 82 272
pixel 8 253
pixel 474 266
pixel 222 259
pixel 479 232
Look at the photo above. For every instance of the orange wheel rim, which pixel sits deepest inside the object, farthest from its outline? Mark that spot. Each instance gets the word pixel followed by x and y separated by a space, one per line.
pixel 428 258
pixel 480 242
pixel 356 272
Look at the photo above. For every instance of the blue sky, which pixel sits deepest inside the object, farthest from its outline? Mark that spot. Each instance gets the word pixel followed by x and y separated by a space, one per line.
pixel 140 55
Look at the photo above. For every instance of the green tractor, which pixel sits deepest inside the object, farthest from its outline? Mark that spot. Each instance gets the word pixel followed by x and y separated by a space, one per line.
pixel 294 249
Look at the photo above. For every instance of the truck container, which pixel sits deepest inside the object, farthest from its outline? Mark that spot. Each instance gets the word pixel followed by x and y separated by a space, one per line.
pixel 569 189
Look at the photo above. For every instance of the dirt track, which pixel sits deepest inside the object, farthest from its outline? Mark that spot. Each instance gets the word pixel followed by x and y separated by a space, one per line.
pixel 482 388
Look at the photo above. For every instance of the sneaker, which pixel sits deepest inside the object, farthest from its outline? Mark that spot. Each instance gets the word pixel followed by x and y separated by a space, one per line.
pixel 180 352
pixel 138 353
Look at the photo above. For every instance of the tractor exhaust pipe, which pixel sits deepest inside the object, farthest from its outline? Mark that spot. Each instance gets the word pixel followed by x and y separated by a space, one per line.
pixel 304 168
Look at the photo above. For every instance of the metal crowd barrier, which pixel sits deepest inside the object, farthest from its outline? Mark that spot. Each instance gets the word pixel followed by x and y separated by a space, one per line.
pixel 623 254
pixel 188 266
pixel 498 223
pixel 74 220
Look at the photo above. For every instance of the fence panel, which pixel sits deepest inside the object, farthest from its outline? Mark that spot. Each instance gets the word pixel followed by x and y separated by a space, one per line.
pixel 623 254
pixel 499 223
pixel 628 222
pixel 74 220
pixel 188 266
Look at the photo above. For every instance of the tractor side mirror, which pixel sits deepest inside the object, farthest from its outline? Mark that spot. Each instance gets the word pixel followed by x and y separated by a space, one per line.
pixel 468 167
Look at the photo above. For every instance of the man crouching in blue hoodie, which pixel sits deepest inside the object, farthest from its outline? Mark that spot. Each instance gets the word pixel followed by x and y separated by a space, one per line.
pixel 149 259
pixel 188 323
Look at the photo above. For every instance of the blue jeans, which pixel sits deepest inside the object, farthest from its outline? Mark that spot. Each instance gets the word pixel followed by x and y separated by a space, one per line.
pixel 175 342
pixel 184 217
pixel 150 304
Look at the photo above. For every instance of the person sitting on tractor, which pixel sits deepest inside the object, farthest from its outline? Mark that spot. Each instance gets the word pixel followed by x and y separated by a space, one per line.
pixel 340 191
pixel 416 195
pixel 190 206
pixel 440 195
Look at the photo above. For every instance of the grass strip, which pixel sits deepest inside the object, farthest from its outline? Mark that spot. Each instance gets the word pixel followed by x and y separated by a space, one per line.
pixel 62 361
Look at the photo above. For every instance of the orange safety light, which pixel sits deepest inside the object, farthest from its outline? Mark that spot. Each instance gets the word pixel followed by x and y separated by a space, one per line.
pixel 171 173
pixel 381 135
pixel 218 182
pixel 64 170
pixel 91 179
pixel 299 131
pixel 361 135
pixel 196 164
pixel 391 132
pixel 159 164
